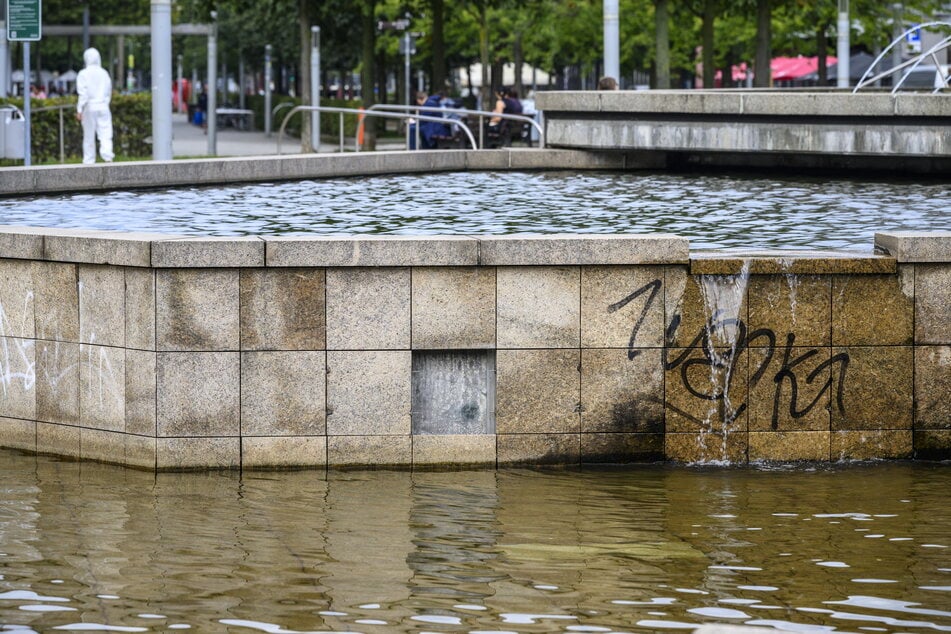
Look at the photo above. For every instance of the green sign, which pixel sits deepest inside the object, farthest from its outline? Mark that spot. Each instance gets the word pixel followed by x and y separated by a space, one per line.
pixel 24 20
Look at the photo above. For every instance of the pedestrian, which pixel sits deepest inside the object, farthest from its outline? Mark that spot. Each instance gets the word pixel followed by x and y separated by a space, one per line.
pixel 95 91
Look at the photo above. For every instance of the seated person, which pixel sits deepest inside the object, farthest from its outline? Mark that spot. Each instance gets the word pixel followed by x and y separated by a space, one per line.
pixel 428 130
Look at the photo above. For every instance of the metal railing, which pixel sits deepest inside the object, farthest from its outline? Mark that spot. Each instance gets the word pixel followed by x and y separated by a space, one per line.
pixel 481 114
pixel 362 113
pixel 909 66
pixel 62 126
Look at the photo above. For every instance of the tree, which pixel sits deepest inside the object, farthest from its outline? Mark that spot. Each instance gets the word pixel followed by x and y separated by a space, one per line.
pixel 662 44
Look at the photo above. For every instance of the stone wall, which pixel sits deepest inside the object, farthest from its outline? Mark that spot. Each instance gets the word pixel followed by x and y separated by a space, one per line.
pixel 175 353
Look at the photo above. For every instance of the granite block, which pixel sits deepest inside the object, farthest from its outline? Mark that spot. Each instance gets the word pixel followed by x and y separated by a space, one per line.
pixel 283 393
pixel 117 248
pixel 197 310
pixel 789 446
pixel 876 388
pixel 492 161
pixel 57 382
pixel 208 252
pixel 17 317
pixel 269 452
pixel 368 309
pixel 369 451
pixel 386 251
pixel 282 309
pixel 453 307
pixel 568 100
pixel 622 307
pixel 790 388
pixel 140 400
pixel 453 392
pixel 58 440
pixel 369 393
pixel 620 394
pixel 139 451
pixel 101 445
pixel 932 387
pixel 818 104
pixel 539 449
pixel 24 243
pixel 198 393
pixel 915 246
pixel 705 307
pixel 17 180
pixel 189 454
pixel 873 310
pixel 706 448
pixel 871 445
pixel 102 305
pixel 140 309
pixel 538 391
pixel 563 159
pixel 19 434
pixel 17 378
pixel 538 307
pixel 933 303
pixel 102 385
pixel 139 174
pixel 588 249
pixel 454 450
pixel 56 301
pixel 933 444
pixel 706 390
pixel 622 448
pixel 791 304
pixel 68 178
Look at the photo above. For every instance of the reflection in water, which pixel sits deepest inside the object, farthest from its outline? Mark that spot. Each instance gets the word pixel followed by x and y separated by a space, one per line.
pixel 713 211
pixel 639 549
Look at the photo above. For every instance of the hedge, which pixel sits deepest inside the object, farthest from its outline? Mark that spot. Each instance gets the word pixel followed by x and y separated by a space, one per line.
pixel 329 122
pixel 131 126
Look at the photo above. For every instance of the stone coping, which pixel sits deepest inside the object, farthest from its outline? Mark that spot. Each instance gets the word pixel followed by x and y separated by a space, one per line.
pixel 171 251
pixel 28 181
pixel 789 261
pixel 738 102
pixel 914 246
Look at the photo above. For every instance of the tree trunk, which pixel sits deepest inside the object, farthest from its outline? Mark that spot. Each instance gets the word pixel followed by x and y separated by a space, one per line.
pixel 367 72
pixel 709 16
pixel 438 45
pixel 764 37
pixel 822 53
pixel 519 60
pixel 303 25
pixel 662 44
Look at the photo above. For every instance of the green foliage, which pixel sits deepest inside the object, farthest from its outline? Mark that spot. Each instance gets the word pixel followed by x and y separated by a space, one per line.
pixel 131 124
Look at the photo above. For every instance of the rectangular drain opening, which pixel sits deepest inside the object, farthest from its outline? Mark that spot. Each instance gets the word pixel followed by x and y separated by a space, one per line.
pixel 454 392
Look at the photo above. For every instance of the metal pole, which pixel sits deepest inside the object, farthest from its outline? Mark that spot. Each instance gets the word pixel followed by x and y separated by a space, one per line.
pixel 241 86
pixel 211 89
pixel 26 105
pixel 897 50
pixel 4 59
pixel 85 25
pixel 612 64
pixel 406 39
pixel 842 66
pixel 162 80
pixel 267 90
pixel 315 87
pixel 181 86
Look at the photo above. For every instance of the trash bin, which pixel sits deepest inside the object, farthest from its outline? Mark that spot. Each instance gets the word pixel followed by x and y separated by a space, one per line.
pixel 13 135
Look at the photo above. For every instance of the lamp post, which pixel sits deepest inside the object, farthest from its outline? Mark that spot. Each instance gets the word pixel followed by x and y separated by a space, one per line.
pixel 842 66
pixel 267 90
pixel 612 63
pixel 211 90
pixel 315 87
pixel 162 80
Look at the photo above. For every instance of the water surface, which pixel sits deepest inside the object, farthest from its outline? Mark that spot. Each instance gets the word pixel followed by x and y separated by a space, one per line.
pixel 713 211
pixel 841 548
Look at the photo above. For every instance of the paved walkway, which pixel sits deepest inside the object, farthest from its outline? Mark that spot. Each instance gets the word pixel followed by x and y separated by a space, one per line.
pixel 190 141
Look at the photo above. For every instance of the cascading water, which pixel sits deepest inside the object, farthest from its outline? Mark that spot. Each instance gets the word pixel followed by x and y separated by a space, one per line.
pixel 724 302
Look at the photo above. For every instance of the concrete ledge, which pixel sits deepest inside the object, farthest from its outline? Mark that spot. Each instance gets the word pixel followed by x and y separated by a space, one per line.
pixel 82 246
pixel 572 250
pixel 372 251
pixel 208 252
pixel 915 246
pixel 780 262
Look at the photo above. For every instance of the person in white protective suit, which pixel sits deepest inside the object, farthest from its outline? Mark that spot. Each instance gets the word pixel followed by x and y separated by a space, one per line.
pixel 95 91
